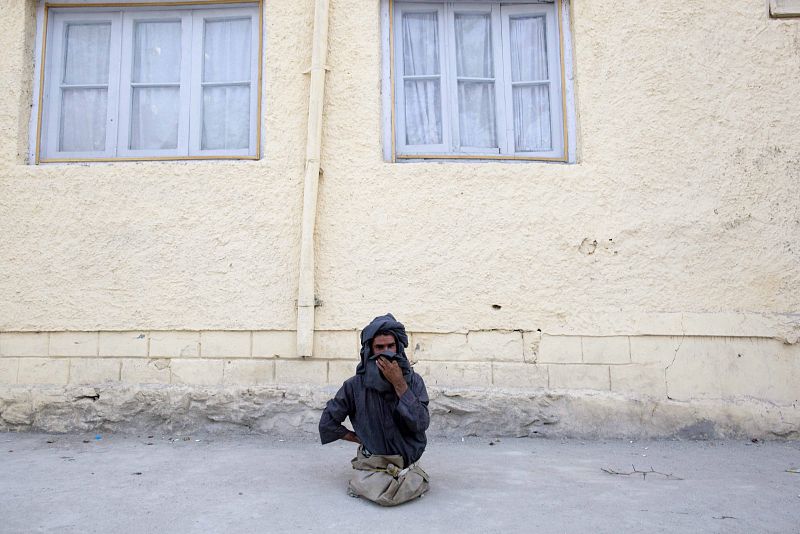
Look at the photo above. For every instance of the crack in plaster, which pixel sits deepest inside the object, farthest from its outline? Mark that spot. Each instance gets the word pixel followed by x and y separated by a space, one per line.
pixel 674 357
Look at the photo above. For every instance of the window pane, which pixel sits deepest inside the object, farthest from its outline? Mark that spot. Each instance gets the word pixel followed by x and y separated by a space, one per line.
pixel 476 114
pixel 423 112
pixel 154 117
pixel 532 118
pixel 87 49
pixel 226 51
pixel 474 46
pixel 83 120
pixel 528 49
pixel 226 117
pixel 157 52
pixel 420 43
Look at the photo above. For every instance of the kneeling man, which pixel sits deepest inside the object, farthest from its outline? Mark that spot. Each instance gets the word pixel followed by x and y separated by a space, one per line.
pixel 388 406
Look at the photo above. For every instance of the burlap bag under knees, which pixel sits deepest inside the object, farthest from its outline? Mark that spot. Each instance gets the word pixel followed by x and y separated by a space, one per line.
pixel 382 479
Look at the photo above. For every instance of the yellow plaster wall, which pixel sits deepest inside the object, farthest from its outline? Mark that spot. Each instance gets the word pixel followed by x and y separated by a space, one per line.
pixel 687 175
pixel 688 166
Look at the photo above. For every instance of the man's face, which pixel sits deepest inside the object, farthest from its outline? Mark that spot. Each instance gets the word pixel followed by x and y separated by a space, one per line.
pixel 383 342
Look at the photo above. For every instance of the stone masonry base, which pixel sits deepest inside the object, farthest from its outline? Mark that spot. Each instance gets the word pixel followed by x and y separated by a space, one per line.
pixel 504 383
pixel 294 410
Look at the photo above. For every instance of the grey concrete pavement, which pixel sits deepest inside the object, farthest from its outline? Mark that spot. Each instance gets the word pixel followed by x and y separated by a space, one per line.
pixel 260 484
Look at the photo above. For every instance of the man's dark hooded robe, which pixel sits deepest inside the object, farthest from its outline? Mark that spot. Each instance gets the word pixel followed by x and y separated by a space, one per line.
pixel 385 424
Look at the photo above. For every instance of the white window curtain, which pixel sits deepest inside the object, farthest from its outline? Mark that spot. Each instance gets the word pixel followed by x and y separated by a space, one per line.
pixel 476 87
pixel 422 79
pixel 84 87
pixel 155 85
pixel 529 77
pixel 491 85
pixel 226 84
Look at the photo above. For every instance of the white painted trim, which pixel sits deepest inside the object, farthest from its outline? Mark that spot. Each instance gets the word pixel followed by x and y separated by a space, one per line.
pixel 195 90
pixel 449 72
pixel 255 57
pixel 569 83
pixel 386 78
pixel 261 51
pixel 501 106
pixel 33 124
pixel 194 4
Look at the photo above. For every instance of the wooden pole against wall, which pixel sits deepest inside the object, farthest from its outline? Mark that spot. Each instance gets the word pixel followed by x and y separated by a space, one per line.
pixel 305 296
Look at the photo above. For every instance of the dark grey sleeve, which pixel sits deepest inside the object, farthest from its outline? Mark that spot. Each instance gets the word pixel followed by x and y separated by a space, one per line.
pixel 337 409
pixel 413 406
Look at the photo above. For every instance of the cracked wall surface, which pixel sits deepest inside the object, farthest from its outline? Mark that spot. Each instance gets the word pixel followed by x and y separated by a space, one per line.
pixel 662 268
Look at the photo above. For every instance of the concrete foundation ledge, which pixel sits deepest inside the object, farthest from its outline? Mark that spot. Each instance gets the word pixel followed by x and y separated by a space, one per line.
pixel 294 410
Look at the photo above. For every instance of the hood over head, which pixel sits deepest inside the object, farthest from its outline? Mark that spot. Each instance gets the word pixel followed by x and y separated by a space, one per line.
pixel 384 323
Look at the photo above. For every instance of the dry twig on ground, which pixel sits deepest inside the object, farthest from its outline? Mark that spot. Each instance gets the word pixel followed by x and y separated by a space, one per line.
pixel 668 476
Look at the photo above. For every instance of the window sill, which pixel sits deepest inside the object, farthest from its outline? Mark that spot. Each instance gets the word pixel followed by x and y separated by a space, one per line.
pixel 144 159
pixel 784 9
pixel 475 158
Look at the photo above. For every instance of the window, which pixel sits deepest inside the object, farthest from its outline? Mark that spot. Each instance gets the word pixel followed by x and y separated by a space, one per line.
pixel 784 8
pixel 149 83
pixel 478 80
